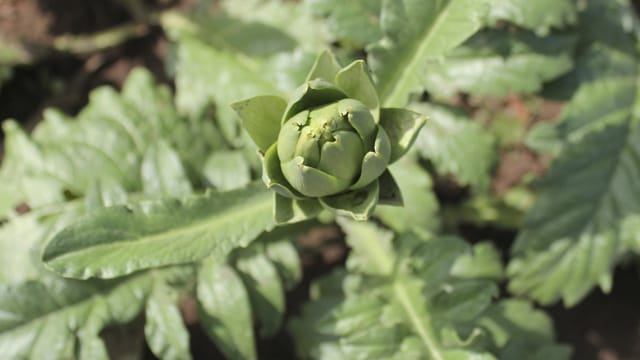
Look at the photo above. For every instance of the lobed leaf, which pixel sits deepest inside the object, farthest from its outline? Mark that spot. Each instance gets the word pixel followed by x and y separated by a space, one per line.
pixel 571 240
pixel 456 145
pixel 540 16
pixel 496 63
pixel 416 31
pixel 123 239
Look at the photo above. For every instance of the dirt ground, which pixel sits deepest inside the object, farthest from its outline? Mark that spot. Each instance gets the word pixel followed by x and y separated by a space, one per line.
pixel 603 327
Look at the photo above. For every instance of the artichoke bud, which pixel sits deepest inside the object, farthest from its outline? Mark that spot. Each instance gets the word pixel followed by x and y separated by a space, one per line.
pixel 323 145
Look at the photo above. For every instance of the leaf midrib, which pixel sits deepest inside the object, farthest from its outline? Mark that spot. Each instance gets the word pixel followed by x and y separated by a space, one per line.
pixel 406 72
pixel 248 209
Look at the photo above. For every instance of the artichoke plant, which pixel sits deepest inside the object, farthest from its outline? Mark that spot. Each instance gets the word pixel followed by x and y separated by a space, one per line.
pixel 330 144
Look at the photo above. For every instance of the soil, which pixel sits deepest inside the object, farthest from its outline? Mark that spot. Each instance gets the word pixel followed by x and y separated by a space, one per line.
pixel 602 327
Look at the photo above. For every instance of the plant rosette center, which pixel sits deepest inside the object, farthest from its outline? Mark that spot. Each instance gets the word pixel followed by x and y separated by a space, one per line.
pixel 323 139
pixel 330 144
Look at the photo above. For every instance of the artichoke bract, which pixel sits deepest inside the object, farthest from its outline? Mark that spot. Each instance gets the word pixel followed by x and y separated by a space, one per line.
pixel 330 144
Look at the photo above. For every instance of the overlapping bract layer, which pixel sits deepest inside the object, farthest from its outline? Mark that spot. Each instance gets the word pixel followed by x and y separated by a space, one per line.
pixel 329 145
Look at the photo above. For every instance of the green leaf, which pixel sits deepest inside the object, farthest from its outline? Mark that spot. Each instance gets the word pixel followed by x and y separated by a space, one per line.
pixel 43 319
pixel 291 18
pixel 355 81
pixel 540 16
pixel 403 127
pixel 415 32
pixel 371 246
pixel 518 328
pixel 227 170
pixel 571 238
pixel 123 239
pixel 225 311
pixel 484 261
pixel 164 330
pixel 496 63
pixel 287 210
pixel 162 172
pixel 282 253
pixel 359 204
pixel 419 212
pixel 325 67
pixel 400 300
pixel 205 74
pixel 261 117
pixel 355 22
pixel 389 190
pixel 456 145
pixel 263 284
pixel 464 300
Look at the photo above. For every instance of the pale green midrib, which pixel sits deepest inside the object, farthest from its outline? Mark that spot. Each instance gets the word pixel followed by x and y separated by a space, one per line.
pixel 425 334
pixel 384 262
pixel 406 72
pixel 75 304
pixel 219 217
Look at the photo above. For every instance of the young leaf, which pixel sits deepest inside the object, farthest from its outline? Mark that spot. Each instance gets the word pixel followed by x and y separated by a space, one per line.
pixel 261 116
pixel 224 310
pixel 123 239
pixel 496 63
pixel 416 31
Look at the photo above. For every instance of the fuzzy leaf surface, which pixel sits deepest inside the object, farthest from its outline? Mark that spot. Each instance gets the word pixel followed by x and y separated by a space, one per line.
pixel 123 239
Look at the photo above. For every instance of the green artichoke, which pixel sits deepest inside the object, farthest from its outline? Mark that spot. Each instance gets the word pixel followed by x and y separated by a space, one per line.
pixel 329 146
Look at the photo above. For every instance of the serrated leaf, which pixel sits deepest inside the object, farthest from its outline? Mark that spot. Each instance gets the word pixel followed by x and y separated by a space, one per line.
pixel 371 246
pixel 123 239
pixel 464 300
pixel 265 289
pixel 104 144
pixel 225 310
pixel 570 240
pixel 456 145
pixel 496 63
pixel 41 319
pixel 540 15
pixel 420 311
pixel 414 32
pixel 484 261
pixel 418 213
pixel 164 330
